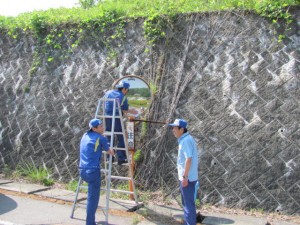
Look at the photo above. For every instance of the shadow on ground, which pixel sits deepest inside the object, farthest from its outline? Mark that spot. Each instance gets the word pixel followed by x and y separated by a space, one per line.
pixel 212 220
pixel 159 218
pixel 9 204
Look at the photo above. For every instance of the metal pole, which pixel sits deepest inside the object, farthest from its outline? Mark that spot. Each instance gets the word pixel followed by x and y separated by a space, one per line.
pixel 147 121
pixel 131 150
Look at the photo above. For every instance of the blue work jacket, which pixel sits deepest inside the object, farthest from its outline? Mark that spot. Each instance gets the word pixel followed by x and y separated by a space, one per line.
pixel 91 146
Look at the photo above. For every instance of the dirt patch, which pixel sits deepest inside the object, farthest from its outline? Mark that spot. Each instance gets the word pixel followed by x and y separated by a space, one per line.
pixel 33 196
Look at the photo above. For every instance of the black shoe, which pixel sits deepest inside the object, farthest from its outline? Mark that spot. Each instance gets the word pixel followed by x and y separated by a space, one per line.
pixel 120 162
pixel 199 217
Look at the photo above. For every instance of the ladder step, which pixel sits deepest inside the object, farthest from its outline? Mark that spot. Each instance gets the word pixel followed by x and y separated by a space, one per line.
pixel 86 187
pixel 119 191
pixel 107 116
pixel 115 148
pixel 119 148
pixel 116 163
pixel 109 133
pixel 121 178
pixel 122 191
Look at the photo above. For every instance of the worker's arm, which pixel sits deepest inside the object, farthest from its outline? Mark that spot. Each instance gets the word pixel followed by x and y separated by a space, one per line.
pixel 187 167
pixel 110 151
pixel 131 111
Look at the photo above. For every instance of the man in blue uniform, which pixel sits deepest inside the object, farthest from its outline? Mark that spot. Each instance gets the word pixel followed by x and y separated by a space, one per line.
pixel 119 93
pixel 187 166
pixel 91 146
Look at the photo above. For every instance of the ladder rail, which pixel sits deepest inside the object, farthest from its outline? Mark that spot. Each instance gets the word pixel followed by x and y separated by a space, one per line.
pixel 108 175
pixel 76 196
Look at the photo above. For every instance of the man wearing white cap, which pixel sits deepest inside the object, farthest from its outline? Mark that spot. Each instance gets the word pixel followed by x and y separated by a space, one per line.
pixel 91 146
pixel 187 166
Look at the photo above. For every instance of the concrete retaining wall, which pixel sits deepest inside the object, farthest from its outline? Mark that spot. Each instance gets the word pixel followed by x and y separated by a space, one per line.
pixel 223 72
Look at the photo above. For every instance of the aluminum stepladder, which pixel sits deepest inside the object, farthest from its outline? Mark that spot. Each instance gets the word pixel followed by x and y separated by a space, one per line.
pixel 100 113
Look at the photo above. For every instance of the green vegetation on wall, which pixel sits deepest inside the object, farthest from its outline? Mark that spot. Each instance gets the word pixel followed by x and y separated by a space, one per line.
pixel 90 13
pixel 275 11
pixel 154 29
pixel 39 20
pixel 60 31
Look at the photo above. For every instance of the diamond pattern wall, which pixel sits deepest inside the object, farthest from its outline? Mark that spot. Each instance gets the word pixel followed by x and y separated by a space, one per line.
pixel 224 72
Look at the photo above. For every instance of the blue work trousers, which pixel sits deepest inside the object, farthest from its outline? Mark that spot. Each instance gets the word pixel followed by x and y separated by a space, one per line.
pixel 93 178
pixel 118 128
pixel 188 202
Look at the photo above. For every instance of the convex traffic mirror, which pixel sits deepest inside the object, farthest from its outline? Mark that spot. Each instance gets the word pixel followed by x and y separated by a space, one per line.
pixel 139 95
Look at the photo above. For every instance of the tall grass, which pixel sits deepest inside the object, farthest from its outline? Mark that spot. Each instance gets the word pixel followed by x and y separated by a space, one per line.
pixel 34 174
pixel 131 9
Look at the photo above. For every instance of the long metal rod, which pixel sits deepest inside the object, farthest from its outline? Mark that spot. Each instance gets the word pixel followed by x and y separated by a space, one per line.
pixel 147 121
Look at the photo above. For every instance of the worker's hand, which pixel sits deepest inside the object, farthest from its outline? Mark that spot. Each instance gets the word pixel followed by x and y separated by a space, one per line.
pixel 133 111
pixel 185 182
pixel 111 152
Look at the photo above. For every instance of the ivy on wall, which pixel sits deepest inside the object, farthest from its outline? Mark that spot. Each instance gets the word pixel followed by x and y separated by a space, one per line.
pixel 154 27
pixel 56 43
pixel 276 12
pixel 58 39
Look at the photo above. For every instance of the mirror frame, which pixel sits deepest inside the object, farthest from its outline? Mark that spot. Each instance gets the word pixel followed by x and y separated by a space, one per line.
pixel 129 76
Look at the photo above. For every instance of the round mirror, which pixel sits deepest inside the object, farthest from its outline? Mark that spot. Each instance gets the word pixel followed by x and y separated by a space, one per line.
pixel 139 95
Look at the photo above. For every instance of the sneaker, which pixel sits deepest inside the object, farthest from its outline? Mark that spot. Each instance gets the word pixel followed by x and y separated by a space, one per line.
pixel 120 162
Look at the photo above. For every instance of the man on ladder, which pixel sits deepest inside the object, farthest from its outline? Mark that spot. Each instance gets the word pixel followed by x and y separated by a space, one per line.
pixel 91 146
pixel 119 93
